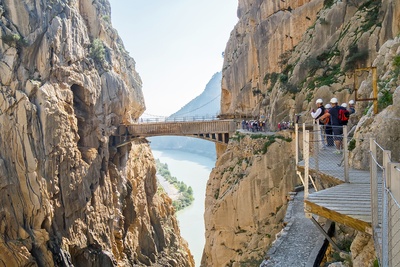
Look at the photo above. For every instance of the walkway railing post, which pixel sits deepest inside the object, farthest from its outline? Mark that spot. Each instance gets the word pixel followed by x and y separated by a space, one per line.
pixel 316 141
pixel 306 152
pixel 296 130
pixel 394 214
pixel 374 183
pixel 345 155
pixel 385 219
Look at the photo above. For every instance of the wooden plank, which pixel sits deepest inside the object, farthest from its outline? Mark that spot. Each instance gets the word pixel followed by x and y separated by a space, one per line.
pixel 338 217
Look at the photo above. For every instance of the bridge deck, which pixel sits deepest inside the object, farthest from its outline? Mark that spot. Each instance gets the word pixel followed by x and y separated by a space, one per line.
pixel 345 203
pixel 218 131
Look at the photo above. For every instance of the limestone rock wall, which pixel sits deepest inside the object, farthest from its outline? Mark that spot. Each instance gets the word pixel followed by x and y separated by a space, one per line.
pixel 68 195
pixel 283 55
pixel 246 199
pixel 280 58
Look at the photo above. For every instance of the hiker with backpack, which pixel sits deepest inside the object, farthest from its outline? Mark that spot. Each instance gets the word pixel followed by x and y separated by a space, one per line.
pixel 326 121
pixel 339 117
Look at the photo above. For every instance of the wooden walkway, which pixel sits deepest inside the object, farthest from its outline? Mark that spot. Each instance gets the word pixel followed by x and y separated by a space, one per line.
pixel 345 203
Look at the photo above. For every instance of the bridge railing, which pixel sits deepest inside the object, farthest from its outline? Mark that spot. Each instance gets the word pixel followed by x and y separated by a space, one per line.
pixel 178 119
pixel 385 185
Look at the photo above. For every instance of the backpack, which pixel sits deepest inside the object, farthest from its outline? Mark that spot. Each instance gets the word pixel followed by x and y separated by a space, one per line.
pixel 325 120
pixel 343 116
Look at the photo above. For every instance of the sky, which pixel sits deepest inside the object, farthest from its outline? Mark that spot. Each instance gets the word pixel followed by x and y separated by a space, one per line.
pixel 177 46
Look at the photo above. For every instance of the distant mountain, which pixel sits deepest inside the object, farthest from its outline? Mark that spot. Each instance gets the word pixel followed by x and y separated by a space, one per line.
pixel 207 104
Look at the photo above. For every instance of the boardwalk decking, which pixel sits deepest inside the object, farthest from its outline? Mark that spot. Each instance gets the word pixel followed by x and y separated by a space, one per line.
pixel 345 203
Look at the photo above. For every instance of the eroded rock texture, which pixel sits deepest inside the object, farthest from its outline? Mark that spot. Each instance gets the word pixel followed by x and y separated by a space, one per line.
pixel 68 195
pixel 246 199
pixel 283 55
pixel 280 58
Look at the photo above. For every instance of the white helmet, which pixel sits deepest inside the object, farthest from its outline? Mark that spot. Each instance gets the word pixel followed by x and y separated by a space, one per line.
pixel 334 100
pixel 319 101
pixel 328 106
pixel 344 105
pixel 351 102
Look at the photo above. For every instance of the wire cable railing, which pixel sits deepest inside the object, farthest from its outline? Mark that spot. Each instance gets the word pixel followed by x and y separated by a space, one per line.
pixel 385 196
pixel 312 148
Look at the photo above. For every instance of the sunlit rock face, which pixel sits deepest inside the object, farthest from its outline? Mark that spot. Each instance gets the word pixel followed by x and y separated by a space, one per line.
pixel 280 58
pixel 283 55
pixel 68 195
pixel 246 199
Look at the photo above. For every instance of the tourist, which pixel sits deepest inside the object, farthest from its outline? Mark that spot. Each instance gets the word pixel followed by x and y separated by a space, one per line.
pixel 337 128
pixel 326 121
pixel 316 114
pixel 320 109
pixel 351 108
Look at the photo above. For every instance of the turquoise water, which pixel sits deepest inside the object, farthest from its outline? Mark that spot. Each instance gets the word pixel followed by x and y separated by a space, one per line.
pixel 194 170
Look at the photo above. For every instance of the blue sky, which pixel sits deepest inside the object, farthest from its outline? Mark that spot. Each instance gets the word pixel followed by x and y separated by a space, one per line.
pixel 177 45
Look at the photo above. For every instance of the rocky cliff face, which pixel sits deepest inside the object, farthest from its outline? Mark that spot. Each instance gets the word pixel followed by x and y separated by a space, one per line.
pixel 68 196
pixel 246 199
pixel 281 57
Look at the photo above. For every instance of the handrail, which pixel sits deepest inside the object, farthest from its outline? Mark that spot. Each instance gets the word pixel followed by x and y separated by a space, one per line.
pixel 386 216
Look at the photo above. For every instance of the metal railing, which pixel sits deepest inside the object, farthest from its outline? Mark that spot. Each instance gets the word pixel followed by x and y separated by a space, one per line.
pixel 178 119
pixel 314 145
pixel 385 199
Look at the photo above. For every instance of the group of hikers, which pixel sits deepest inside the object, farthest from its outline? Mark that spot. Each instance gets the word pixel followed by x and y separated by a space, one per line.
pixel 254 125
pixel 332 117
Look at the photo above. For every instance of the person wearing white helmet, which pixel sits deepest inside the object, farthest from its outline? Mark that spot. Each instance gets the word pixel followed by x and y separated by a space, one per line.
pixel 326 120
pixel 337 126
pixel 317 114
pixel 351 108
pixel 320 109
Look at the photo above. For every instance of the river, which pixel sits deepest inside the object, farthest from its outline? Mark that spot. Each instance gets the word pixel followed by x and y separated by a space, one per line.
pixel 194 171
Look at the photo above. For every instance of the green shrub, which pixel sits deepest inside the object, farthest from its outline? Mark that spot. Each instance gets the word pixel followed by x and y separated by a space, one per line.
pixel 328 3
pixel 354 57
pixel 107 18
pixel 14 40
pixel 97 51
pixel 272 78
pixel 372 17
pixel 396 65
pixel 385 99
pixel 352 145
pixel 270 140
pixel 283 78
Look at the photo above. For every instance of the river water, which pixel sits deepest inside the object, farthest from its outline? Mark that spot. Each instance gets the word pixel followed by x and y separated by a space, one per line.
pixel 194 171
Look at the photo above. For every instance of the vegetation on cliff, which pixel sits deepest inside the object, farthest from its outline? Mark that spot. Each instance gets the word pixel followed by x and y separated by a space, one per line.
pixel 186 192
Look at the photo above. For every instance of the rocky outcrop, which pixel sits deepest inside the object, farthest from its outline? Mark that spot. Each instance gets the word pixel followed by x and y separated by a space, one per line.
pixel 283 55
pixel 246 199
pixel 68 195
pixel 280 58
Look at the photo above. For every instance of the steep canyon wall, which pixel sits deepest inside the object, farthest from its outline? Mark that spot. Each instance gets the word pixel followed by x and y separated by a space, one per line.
pixel 68 196
pixel 280 58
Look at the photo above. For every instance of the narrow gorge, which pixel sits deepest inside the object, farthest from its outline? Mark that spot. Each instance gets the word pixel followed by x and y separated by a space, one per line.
pixel 70 197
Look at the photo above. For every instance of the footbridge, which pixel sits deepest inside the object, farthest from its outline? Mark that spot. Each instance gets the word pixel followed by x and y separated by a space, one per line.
pixel 218 131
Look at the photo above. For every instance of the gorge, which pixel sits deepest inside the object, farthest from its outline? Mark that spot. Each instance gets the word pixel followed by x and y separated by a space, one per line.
pixel 70 198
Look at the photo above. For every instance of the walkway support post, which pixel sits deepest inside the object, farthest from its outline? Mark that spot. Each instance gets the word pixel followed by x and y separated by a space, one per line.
pixel 306 149
pixel 296 130
pixel 374 183
pixel 345 155
pixel 316 142
pixel 386 219
pixel 393 173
